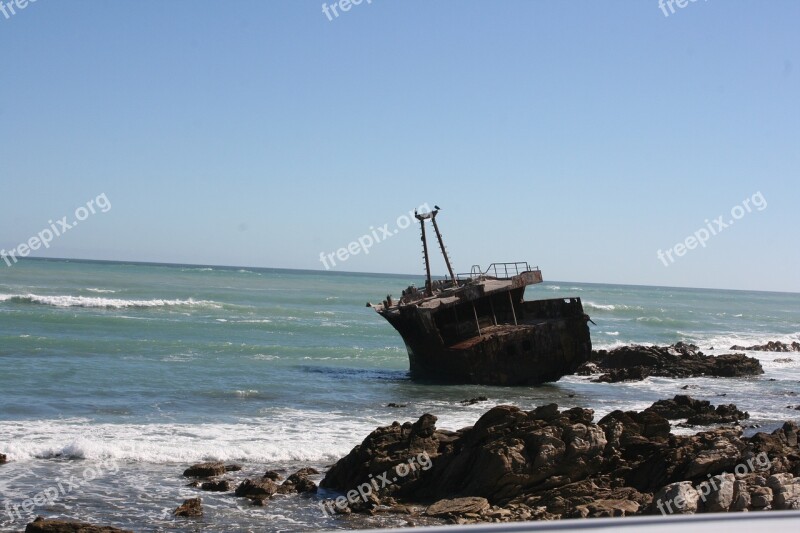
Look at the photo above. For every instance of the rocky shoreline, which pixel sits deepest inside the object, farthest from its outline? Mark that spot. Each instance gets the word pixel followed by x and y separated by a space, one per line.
pixel 681 360
pixel 550 464
pixel 771 346
pixel 547 463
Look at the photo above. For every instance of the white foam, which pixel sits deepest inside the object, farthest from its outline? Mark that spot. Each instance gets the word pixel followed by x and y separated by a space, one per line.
pixel 104 291
pixel 601 307
pixel 284 435
pixel 724 341
pixel 113 303
pixel 648 319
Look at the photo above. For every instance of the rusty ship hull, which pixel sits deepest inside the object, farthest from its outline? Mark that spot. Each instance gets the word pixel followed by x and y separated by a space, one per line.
pixel 487 334
pixel 550 340
pixel 477 327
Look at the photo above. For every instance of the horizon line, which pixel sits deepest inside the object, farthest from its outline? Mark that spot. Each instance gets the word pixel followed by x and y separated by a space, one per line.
pixel 333 272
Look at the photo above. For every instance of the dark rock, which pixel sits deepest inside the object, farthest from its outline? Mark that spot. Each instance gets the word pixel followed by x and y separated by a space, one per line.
pixel 697 412
pixel 233 468
pixel 273 475
pixel 473 401
pixel 771 346
pixel 222 485
pixel 392 404
pixel 680 360
pixel 205 470
pixel 40 525
pixel 3 459
pixel 616 375
pixel 256 489
pixel 549 464
pixel 299 482
pixel 191 507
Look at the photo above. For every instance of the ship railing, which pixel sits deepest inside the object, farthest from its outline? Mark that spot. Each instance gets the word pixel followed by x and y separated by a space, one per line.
pixel 497 270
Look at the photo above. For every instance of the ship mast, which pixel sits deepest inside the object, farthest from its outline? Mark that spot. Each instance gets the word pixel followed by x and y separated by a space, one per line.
pixel 422 218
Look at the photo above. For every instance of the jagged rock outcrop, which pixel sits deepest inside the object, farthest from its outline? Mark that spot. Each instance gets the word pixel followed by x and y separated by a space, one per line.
pixel 681 360
pixel 205 470
pixel 697 412
pixel 771 346
pixel 547 463
pixel 256 489
pixel 220 485
pixel 189 508
pixel 299 482
pixel 41 525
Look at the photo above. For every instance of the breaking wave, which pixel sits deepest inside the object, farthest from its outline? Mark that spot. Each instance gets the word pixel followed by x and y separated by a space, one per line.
pixel 107 303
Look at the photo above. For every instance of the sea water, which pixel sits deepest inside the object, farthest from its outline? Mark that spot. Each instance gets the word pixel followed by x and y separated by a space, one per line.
pixel 114 377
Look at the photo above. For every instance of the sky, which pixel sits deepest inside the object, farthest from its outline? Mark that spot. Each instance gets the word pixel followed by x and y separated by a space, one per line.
pixel 582 137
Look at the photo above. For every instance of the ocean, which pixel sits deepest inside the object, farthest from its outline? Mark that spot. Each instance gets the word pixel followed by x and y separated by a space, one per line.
pixel 115 377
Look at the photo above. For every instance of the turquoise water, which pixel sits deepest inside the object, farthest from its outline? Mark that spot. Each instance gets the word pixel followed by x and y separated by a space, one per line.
pixel 137 370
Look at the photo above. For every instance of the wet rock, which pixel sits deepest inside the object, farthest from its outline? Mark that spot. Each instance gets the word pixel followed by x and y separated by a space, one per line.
pixel 617 375
pixel 457 506
pixel 233 468
pixel 771 346
pixel 273 475
pixel 299 482
pixel 205 470
pixel 697 412
pixel 256 489
pixel 3 459
pixel 396 405
pixel 473 401
pixel 680 360
pixel 191 507
pixel 222 485
pixel 307 471
pixel 40 525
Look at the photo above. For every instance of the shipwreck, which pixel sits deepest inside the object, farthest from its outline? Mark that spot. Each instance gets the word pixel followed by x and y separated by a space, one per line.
pixel 478 328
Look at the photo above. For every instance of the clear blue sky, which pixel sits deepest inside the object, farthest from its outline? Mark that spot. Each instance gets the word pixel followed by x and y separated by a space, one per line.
pixel 579 136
